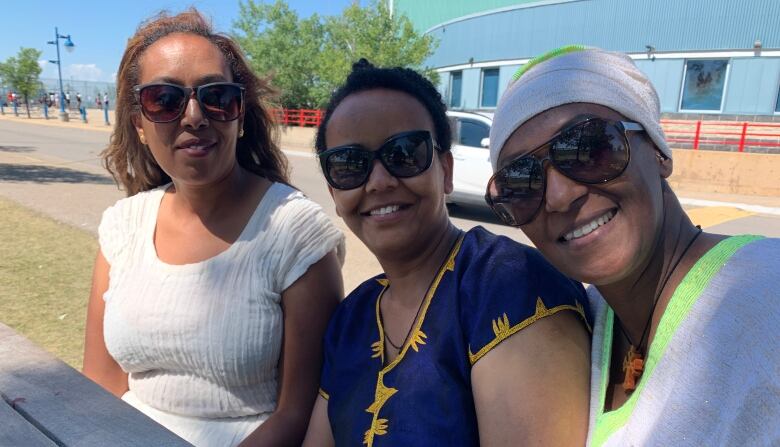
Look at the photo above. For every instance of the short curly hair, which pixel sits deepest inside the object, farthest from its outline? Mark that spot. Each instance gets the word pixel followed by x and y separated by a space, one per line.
pixel 365 76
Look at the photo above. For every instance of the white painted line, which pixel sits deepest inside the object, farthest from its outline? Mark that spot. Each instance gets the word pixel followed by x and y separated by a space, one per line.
pixel 758 209
pixel 298 153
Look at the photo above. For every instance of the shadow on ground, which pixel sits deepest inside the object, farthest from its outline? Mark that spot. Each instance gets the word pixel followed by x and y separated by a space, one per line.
pixel 16 148
pixel 48 174
pixel 478 213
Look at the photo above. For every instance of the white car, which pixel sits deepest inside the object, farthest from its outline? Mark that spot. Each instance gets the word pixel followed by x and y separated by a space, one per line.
pixel 470 149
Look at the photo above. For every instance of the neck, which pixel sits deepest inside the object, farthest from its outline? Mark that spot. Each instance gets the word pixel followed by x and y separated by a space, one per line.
pixel 408 277
pixel 206 200
pixel 640 299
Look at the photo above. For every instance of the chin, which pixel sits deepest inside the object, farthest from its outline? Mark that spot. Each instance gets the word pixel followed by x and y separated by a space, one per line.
pixel 606 270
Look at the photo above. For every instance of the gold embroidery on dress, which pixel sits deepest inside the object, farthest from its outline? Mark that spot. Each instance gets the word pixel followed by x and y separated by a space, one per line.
pixel 503 330
pixel 501 327
pixel 451 262
pixel 378 426
pixel 382 394
pixel 377 348
pixel 417 339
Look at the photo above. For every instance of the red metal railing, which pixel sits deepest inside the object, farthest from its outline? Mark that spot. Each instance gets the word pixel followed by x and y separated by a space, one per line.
pixel 695 133
pixel 722 133
pixel 298 117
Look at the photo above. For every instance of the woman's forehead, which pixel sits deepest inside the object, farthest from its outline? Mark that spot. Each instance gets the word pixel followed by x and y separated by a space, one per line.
pixel 369 117
pixel 182 56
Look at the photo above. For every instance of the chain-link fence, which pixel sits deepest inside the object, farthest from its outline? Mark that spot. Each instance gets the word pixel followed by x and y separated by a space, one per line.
pixel 92 93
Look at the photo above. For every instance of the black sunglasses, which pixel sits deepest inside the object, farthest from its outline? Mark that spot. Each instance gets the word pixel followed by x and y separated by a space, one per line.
pixel 163 102
pixel 592 151
pixel 403 155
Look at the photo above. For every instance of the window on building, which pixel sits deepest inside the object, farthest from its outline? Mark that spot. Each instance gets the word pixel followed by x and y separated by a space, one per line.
pixel 472 132
pixel 489 87
pixel 456 83
pixel 704 84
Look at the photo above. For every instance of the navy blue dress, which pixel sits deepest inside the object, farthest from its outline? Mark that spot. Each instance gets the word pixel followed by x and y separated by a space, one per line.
pixel 489 288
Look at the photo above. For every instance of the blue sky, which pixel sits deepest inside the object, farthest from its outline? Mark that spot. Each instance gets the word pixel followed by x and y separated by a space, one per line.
pixel 100 29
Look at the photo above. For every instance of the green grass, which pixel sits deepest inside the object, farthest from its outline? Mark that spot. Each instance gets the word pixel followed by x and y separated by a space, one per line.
pixel 45 276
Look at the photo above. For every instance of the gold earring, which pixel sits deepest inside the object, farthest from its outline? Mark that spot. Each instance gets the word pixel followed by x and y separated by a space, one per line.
pixel 240 132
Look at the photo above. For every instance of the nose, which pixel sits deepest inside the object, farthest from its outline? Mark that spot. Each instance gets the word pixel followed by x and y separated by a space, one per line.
pixel 380 179
pixel 561 192
pixel 193 116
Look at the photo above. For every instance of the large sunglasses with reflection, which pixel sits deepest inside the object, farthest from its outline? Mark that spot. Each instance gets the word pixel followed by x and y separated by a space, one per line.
pixel 403 155
pixel 592 151
pixel 162 102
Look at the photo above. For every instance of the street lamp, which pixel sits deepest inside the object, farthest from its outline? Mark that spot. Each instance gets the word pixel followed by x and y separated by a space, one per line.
pixel 69 45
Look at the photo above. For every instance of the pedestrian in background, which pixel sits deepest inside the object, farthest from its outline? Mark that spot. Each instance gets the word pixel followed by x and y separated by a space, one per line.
pixel 684 351
pixel 215 279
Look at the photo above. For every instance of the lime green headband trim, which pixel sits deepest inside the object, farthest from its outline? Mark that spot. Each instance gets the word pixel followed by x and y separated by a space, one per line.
pixel 560 51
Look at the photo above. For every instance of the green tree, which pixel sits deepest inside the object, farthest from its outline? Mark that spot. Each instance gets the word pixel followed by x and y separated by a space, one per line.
pixel 373 33
pixel 21 73
pixel 308 58
pixel 281 46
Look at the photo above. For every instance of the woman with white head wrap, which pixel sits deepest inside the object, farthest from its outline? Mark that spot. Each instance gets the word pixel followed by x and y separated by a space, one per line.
pixel 683 344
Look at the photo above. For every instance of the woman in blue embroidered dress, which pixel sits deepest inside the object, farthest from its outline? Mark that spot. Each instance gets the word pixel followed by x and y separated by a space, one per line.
pixel 467 338
pixel 683 344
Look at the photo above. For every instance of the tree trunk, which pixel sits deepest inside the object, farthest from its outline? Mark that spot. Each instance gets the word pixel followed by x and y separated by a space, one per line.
pixel 27 106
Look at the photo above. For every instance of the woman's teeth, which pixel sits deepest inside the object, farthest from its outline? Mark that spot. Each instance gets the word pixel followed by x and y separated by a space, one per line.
pixel 385 210
pixel 589 227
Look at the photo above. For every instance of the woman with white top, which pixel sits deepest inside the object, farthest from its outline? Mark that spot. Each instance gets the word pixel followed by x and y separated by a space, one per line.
pixel 215 279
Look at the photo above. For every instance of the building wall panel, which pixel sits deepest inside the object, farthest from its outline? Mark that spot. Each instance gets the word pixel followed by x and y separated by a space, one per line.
pixel 753 86
pixel 471 79
pixel 666 75
pixel 622 25
pixel 425 14
pixel 505 77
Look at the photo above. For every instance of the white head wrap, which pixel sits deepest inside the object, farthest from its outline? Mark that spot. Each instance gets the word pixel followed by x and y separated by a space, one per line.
pixel 587 75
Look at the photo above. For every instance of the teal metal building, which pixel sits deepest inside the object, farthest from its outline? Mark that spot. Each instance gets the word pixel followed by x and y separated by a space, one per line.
pixel 707 58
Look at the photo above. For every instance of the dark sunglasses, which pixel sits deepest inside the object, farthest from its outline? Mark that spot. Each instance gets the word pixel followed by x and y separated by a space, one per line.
pixel 406 154
pixel 163 102
pixel 592 151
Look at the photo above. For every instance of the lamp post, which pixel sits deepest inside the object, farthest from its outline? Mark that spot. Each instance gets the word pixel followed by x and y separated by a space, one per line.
pixel 69 47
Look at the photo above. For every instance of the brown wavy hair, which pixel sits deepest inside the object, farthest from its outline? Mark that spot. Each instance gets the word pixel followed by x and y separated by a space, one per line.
pixel 132 165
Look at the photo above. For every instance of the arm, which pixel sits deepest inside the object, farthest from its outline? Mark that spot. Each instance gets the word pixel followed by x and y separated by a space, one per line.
pixel 319 433
pixel 533 388
pixel 98 363
pixel 307 306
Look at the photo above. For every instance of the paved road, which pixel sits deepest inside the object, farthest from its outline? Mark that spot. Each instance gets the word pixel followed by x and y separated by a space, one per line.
pixel 56 171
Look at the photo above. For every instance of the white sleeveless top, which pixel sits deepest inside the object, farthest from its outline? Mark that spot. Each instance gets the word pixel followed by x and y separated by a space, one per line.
pixel 204 339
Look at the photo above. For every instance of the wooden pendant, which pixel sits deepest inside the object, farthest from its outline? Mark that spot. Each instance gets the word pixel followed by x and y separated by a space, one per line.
pixel 633 365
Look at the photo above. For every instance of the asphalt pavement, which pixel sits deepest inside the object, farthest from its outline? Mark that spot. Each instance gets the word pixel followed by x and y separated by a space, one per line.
pixel 54 168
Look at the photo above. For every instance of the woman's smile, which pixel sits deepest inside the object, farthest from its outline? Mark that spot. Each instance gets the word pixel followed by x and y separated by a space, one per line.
pixel 197 147
pixel 388 213
pixel 592 227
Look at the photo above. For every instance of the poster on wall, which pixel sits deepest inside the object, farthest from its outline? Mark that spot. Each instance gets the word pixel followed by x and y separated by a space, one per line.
pixel 704 84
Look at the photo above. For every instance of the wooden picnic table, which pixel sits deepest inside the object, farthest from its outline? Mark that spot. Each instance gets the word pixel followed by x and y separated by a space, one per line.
pixel 44 402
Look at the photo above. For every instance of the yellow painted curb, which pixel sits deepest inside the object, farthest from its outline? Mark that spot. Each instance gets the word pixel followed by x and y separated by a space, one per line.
pixel 711 216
